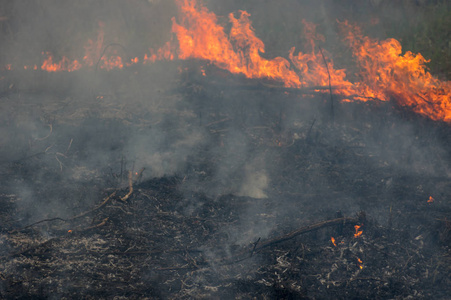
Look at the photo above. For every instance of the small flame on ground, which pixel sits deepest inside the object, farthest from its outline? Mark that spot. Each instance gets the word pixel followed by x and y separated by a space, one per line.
pixel 431 200
pixel 358 232
pixel 360 263
pixel 332 239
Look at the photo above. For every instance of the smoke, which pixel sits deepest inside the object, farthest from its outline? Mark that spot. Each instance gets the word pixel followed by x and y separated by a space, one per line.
pixel 255 182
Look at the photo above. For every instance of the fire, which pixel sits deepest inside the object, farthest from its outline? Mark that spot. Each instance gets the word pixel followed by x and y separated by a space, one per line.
pixel 332 239
pixel 431 200
pixel 200 36
pixel 63 65
pixel 95 56
pixel 93 50
pixel 313 69
pixel 385 72
pixel 388 74
pixel 360 263
pixel 358 232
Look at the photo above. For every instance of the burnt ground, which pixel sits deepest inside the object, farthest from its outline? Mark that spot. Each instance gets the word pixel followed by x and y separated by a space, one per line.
pixel 237 188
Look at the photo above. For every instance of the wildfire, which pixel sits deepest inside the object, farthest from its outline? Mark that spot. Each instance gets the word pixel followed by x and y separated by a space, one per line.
pixel 431 200
pixel 385 73
pixel 358 232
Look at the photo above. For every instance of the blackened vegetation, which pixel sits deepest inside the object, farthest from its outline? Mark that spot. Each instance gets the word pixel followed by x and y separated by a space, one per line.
pixel 186 233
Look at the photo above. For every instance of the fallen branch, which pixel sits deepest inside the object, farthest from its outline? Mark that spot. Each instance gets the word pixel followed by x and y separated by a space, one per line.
pixel 130 187
pixel 103 223
pixel 306 229
pixel 243 255
pixel 105 201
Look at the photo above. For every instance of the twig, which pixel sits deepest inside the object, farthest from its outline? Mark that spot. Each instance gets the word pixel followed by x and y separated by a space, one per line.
pixel 68 147
pixel 106 48
pixel 242 255
pixel 39 222
pixel 43 138
pixel 130 187
pixel 105 201
pixel 139 175
pixel 306 229
pixel 217 122
pixel 332 114
pixel 61 164
pixel 310 130
pixel 255 246
pixel 95 226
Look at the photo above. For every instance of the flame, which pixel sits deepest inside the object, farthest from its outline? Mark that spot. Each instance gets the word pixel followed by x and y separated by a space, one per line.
pixel 358 232
pixel 63 65
pixel 384 72
pixel 332 239
pixel 360 263
pixel 35 67
pixel 431 200
pixel 93 50
pixel 95 56
pixel 200 36
pixel 313 68
pixel 164 53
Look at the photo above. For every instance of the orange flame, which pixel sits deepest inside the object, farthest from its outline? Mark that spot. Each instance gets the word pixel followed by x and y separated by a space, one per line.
pixel 63 65
pixel 360 263
pixel 200 36
pixel 312 67
pixel 358 232
pixel 431 200
pixel 332 239
pixel 93 50
pixel 385 73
